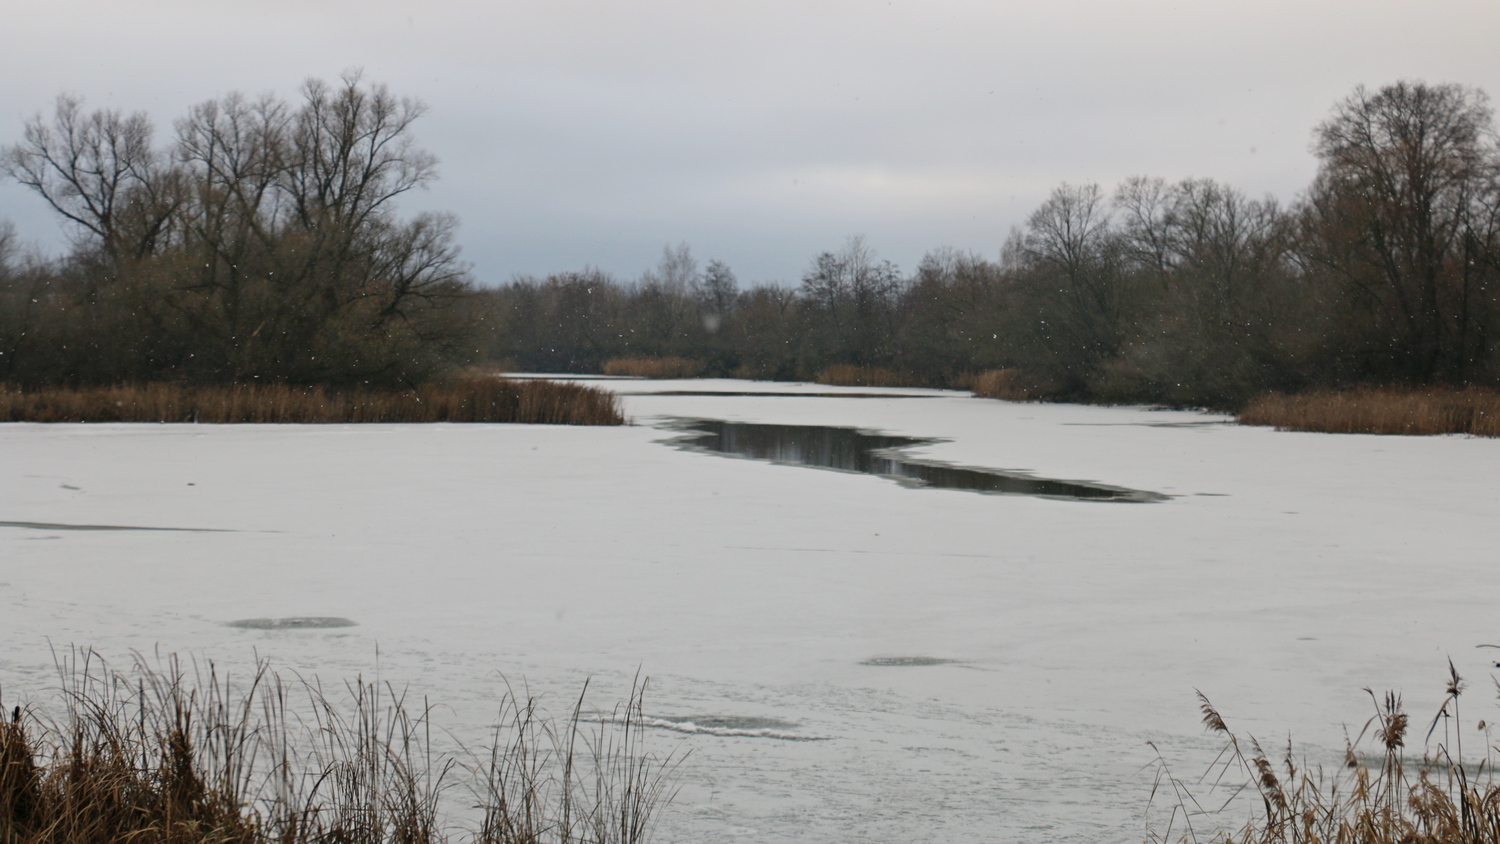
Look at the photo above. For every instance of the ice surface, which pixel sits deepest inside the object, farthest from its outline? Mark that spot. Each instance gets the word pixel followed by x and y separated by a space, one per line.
pixel 1287 572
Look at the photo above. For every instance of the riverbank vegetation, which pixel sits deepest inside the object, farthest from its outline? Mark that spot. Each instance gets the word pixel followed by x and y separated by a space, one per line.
pixel 1372 798
pixel 157 756
pixel 261 245
pixel 653 367
pixel 474 399
pixel 1385 272
pixel 1472 411
pixel 1005 384
pixel 847 375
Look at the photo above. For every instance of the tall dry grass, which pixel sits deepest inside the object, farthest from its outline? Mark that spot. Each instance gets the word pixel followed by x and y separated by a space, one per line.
pixel 1006 384
pixel 466 400
pixel 1371 799
pixel 159 757
pixel 846 375
pixel 1380 411
pixel 654 367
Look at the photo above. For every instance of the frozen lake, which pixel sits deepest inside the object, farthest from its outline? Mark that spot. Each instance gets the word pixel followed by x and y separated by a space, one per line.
pixel 969 667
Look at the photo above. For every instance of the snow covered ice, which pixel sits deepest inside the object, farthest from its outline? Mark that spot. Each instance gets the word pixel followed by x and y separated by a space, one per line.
pixel 977 667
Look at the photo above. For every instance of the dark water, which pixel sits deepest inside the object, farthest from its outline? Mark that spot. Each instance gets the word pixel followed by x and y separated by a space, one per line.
pixel 852 450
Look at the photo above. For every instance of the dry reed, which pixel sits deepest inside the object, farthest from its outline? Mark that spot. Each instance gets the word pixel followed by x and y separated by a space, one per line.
pixel 1472 411
pixel 845 375
pixel 1006 384
pixel 654 367
pixel 961 381
pixel 467 400
pixel 153 756
pixel 1370 800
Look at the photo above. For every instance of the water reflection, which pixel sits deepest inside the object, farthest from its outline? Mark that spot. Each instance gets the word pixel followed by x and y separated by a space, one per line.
pixel 852 450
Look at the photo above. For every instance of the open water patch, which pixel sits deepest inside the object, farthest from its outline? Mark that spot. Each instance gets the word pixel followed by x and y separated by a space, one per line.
pixel 732 726
pixel 855 450
pixel 301 622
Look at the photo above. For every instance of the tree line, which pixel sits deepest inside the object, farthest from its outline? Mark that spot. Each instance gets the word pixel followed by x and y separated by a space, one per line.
pixel 1385 271
pixel 262 244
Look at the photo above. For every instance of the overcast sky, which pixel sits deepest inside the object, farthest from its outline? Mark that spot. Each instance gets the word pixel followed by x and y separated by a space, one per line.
pixel 594 132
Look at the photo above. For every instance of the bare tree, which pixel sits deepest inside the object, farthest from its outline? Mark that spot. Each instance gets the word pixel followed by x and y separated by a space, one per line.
pixel 1069 254
pixel 266 244
pixel 955 315
pixel 1227 247
pixel 1407 176
pixel 676 273
pixel 851 299
pixel 665 309
pixel 719 290
pixel 1148 219
pixel 100 172
pixel 352 154
pixel 1205 332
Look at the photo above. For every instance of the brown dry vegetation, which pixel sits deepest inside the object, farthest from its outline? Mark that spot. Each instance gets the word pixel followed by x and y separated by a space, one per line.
pixel 467 400
pixel 1004 384
pixel 847 375
pixel 1370 801
pixel 1380 411
pixel 654 367
pixel 153 757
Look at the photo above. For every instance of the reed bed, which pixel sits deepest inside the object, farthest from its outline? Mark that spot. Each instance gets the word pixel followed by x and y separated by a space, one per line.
pixel 845 375
pixel 1371 799
pixel 155 756
pixel 467 400
pixel 654 367
pixel 1006 384
pixel 1473 411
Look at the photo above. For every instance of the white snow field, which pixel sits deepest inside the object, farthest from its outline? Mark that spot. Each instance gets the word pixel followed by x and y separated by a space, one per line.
pixel 1287 573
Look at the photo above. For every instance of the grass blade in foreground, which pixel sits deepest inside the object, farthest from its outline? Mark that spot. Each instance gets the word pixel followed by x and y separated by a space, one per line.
pixel 1370 800
pixel 155 756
